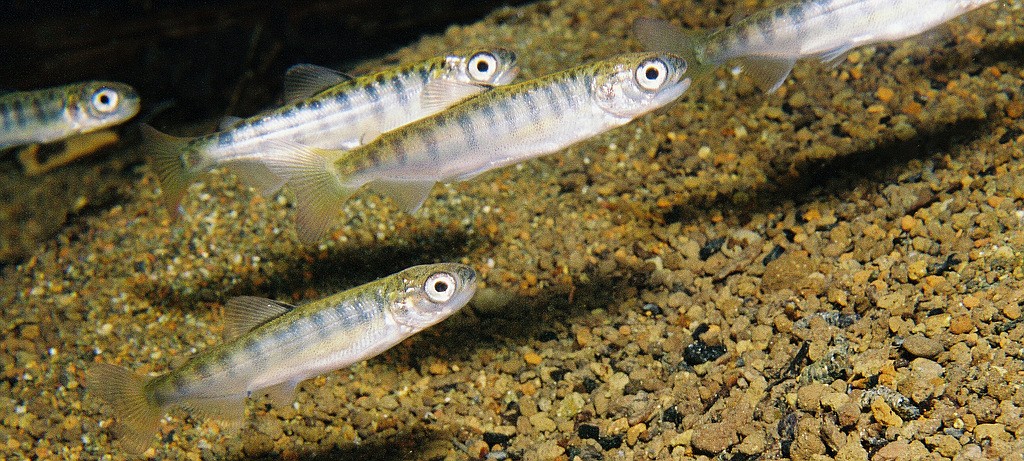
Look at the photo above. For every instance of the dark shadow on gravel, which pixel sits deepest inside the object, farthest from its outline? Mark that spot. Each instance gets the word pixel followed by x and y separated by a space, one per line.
pixel 324 272
pixel 407 444
pixel 841 174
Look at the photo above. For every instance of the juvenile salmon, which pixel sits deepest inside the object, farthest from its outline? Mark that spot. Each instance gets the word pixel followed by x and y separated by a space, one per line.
pixel 768 43
pixel 53 114
pixel 327 110
pixel 270 347
pixel 503 126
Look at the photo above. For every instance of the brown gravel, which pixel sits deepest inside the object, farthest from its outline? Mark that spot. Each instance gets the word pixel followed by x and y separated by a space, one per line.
pixel 831 271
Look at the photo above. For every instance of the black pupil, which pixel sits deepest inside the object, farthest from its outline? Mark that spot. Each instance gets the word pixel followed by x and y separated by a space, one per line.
pixel 440 287
pixel 104 99
pixel 651 73
pixel 482 66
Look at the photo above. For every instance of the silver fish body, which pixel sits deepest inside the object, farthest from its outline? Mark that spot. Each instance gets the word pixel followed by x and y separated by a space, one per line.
pixel 504 126
pixel 53 114
pixel 273 346
pixel 770 41
pixel 345 115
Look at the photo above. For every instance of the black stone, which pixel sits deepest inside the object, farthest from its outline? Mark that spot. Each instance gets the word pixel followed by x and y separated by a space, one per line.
pixel 699 352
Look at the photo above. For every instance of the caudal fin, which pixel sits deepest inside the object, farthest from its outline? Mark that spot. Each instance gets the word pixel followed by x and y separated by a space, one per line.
pixel 137 415
pixel 319 192
pixel 170 164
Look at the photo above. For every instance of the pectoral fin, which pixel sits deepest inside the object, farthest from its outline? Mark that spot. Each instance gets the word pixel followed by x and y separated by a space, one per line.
pixel 244 313
pixel 319 192
pixel 440 93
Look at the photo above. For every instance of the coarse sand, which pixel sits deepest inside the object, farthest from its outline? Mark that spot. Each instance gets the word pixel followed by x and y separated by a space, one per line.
pixel 830 271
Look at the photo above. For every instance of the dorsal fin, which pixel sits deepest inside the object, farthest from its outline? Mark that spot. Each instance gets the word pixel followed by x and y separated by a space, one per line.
pixel 304 80
pixel 244 313
pixel 228 121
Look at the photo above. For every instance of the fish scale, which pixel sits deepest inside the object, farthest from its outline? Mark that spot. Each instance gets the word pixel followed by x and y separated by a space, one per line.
pixel 285 345
pixel 768 43
pixel 331 113
pixel 52 114
pixel 506 125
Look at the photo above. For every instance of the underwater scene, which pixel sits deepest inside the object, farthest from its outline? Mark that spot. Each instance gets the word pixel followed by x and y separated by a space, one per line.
pixel 557 230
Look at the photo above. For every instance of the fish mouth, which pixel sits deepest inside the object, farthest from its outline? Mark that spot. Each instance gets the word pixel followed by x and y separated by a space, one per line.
pixel 672 91
pixel 507 76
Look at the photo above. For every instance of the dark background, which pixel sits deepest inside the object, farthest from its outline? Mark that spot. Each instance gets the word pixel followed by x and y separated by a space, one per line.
pixel 207 59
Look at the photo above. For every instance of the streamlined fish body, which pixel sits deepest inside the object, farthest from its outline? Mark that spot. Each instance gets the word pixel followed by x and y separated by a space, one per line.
pixel 53 114
pixel 769 42
pixel 270 347
pixel 504 126
pixel 328 110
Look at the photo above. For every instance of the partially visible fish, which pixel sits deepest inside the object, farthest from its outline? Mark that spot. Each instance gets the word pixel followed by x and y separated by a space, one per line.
pixel 768 43
pixel 53 114
pixel 504 126
pixel 271 346
pixel 329 110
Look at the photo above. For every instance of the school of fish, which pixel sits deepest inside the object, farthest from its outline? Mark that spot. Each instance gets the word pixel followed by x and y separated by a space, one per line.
pixel 326 109
pixel 398 132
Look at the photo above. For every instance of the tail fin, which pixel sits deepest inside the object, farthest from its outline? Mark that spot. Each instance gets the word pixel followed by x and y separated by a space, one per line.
pixel 170 164
pixel 319 192
pixel 136 412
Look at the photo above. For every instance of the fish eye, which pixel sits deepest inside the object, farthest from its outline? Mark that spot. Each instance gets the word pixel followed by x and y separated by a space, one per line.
pixel 440 287
pixel 482 66
pixel 105 100
pixel 651 74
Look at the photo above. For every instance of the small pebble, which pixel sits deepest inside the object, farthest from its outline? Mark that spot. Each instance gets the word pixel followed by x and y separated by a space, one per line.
pixel 922 346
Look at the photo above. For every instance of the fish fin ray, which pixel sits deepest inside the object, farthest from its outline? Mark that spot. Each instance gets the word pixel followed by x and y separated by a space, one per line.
pixel 319 192
pixel 228 121
pixel 439 93
pixel 169 164
pixel 125 391
pixel 256 174
pixel 245 313
pixel 302 81
pixel 281 395
pixel 768 73
pixel 661 35
pixel 408 195
pixel 229 409
pixel 835 55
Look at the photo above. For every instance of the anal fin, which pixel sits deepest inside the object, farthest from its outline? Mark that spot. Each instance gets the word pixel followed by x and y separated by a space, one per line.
pixel 836 54
pixel 281 395
pixel 257 175
pixel 768 72
pixel 229 409
pixel 408 195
